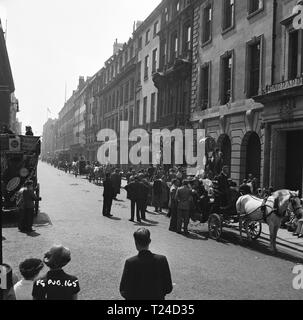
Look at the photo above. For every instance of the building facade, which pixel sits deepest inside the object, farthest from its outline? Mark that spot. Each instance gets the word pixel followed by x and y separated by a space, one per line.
pixel 233 50
pixel 173 78
pixel 8 103
pixel 49 139
pixel 148 48
pixel 117 96
pixel 78 148
pixel 282 116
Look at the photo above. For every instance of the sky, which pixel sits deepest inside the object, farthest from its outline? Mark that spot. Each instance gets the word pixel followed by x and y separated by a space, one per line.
pixel 52 42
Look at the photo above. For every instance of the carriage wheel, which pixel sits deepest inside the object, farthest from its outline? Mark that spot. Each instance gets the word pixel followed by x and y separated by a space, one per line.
pixel 215 226
pixel 254 229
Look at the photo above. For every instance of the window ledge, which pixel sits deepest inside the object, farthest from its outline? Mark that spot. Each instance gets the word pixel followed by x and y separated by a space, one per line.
pixel 252 14
pixel 226 30
pixel 205 43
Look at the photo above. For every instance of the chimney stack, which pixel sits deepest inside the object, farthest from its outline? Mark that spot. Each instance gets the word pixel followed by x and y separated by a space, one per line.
pixel 81 82
pixel 117 46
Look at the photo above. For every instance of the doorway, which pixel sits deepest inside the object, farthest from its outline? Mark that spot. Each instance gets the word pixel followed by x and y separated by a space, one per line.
pixel 294 161
pixel 253 156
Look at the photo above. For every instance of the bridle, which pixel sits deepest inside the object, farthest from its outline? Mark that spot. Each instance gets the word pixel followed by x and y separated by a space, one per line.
pixel 293 201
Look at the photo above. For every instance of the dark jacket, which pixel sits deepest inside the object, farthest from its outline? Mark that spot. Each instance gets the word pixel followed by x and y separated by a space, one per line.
pixel 116 181
pixel 137 191
pixel 223 183
pixel 130 191
pixel 146 277
pixel 28 198
pixel 108 188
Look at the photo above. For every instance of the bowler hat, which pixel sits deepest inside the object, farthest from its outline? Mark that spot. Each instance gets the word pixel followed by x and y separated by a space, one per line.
pixel 57 257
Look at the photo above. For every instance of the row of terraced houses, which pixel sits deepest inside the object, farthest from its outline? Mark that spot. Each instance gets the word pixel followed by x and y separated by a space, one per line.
pixel 231 67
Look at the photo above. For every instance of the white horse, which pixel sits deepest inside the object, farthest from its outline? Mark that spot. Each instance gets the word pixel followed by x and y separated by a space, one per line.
pixel 272 211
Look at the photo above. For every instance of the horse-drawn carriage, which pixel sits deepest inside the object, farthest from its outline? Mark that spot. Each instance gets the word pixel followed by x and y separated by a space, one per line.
pixel 219 217
pixel 19 157
pixel 249 212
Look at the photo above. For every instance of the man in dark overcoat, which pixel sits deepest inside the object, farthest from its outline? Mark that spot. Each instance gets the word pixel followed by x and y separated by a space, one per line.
pixel 146 276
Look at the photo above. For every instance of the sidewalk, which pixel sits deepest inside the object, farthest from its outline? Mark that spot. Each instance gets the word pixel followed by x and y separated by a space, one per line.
pixel 284 238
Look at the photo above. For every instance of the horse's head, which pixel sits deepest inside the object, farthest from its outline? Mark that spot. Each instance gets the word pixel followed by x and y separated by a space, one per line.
pixel 286 199
pixel 295 203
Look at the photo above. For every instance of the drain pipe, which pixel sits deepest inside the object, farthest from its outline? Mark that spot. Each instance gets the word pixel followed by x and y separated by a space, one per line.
pixel 274 35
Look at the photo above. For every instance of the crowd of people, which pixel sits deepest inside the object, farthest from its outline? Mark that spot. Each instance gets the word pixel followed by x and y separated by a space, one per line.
pixel 171 192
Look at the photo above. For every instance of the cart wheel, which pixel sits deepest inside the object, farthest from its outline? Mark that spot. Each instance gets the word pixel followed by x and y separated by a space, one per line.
pixel 254 229
pixel 215 226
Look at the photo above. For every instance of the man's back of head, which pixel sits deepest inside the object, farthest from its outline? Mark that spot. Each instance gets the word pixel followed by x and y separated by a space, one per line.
pixel 142 239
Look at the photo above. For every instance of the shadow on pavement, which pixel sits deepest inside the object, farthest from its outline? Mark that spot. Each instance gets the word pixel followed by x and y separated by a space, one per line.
pixel 260 246
pixel 196 236
pixel 42 220
pixel 11 221
pixel 33 234
pixel 114 218
pixel 151 221
pixel 145 224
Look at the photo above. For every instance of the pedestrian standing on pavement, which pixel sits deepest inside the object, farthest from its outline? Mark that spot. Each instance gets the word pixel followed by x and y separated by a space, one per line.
pixel 29 269
pixel 56 284
pixel 147 195
pixel 146 276
pixel 173 205
pixel 108 195
pixel 142 197
pixel 116 181
pixel 130 189
pixel 183 199
pixel 157 195
pixel 26 203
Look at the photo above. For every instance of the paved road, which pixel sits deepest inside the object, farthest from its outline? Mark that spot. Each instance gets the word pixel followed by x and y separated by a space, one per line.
pixel 201 268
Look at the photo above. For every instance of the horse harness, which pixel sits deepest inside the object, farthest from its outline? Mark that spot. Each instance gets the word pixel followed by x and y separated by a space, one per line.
pixel 274 210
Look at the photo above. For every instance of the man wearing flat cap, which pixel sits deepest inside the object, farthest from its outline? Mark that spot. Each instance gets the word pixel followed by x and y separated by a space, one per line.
pixel 56 284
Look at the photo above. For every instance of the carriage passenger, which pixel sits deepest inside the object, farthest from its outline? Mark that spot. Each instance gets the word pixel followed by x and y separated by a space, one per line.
pixel 233 196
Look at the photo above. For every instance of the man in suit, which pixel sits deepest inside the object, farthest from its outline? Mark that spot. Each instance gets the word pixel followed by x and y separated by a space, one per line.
pixel 183 198
pixel 147 275
pixel 116 182
pixel 131 195
pixel 108 196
